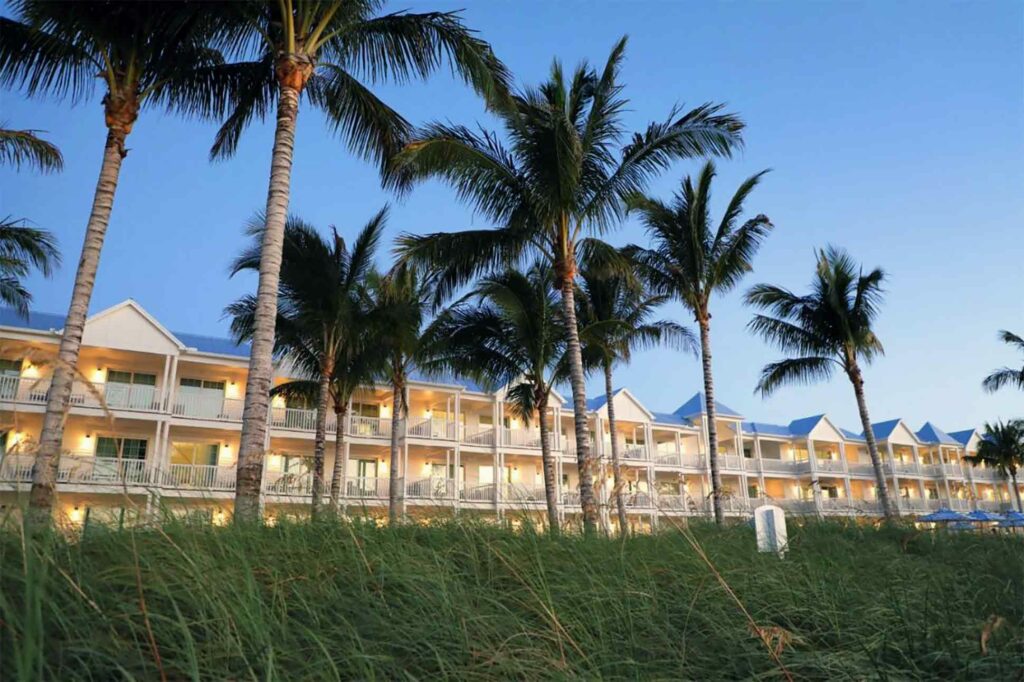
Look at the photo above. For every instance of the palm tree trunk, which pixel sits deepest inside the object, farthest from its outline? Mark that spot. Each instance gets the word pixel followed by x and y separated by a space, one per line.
pixel 1016 490
pixel 616 464
pixel 709 405
pixel 579 408
pixel 547 462
pixel 320 439
pixel 339 450
pixel 397 446
pixel 257 387
pixel 869 435
pixel 47 464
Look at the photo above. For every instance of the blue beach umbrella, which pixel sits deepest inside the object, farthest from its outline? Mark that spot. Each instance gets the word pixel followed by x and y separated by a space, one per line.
pixel 1012 519
pixel 943 516
pixel 982 516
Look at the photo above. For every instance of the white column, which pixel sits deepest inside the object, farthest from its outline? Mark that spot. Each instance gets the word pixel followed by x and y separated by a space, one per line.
pixel 897 498
pixel 815 480
pixel 846 472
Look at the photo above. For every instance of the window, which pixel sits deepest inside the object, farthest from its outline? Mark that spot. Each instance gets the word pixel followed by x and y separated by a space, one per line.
pixel 753 491
pixel 366 468
pixel 202 384
pixel 366 410
pixel 486 420
pixel 137 378
pixel 10 368
pixel 748 453
pixel 565 481
pixel 125 448
pixel 830 492
pixel 195 454
pixel 295 465
pixel 932 493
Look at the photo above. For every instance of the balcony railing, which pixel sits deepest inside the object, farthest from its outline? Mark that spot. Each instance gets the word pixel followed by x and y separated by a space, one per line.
pixel 784 466
pixel 672 459
pixel 76 467
pixel 285 483
pixel 479 493
pixel 368 488
pixel 731 462
pixel 23 389
pixel 984 474
pixel 638 500
pixel 200 477
pixel 900 468
pixel 933 470
pixel 369 427
pixel 521 438
pixel 830 465
pixel 295 418
pixel 128 396
pixel 952 471
pixel 513 493
pixel 861 468
pixel 638 452
pixel 479 436
pixel 434 429
pixel 212 407
pixel 434 488
pixel 694 461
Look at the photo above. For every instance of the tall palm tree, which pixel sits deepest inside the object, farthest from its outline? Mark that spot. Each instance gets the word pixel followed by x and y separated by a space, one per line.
pixel 1006 375
pixel 1002 448
pixel 144 54
pixel 692 259
pixel 23 248
pixel 321 304
pixel 562 174
pixel 831 327
pixel 402 304
pixel 615 319
pixel 508 332
pixel 321 49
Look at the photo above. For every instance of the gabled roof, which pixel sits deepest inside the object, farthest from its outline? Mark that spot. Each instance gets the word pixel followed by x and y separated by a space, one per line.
pixel 802 427
pixel 213 344
pixel 598 402
pixel 669 418
pixel 963 437
pixel 416 374
pixel 852 435
pixel 930 433
pixel 763 429
pixel 696 406
pixel 884 429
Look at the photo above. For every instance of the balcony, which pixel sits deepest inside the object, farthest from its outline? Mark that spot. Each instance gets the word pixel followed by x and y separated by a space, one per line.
pixel 952 471
pixel 211 407
pixel 781 466
pixel 984 474
pixel 298 419
pixel 286 483
pixel 634 452
pixel 671 502
pixel 433 488
pixel 369 427
pixel 479 436
pixel 861 468
pixel 669 459
pixel 117 396
pixel 903 468
pixel 519 493
pixel 932 470
pixel 79 468
pixel 368 488
pixel 830 466
pixel 23 389
pixel 638 500
pixel 730 462
pixel 200 477
pixel 521 438
pixel 431 429
pixel 478 493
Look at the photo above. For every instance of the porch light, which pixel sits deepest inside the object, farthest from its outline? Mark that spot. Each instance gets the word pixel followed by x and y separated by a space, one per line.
pixel 75 515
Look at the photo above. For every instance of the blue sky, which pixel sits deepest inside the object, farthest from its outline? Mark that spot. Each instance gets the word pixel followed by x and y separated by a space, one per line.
pixel 893 129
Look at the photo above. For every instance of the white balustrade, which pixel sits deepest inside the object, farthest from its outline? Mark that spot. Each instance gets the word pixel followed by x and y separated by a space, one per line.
pixel 212 407
pixel 431 428
pixel 779 465
pixel 23 389
pixel 370 427
pixel 483 435
pixel 200 477
pixel 435 487
pixel 368 488
pixel 522 438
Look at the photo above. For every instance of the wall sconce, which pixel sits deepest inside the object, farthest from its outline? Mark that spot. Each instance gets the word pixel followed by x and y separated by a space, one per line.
pixel 88 436
pixel 75 515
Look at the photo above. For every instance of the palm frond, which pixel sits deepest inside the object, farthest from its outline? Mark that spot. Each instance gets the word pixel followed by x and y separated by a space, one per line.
pixel 24 147
pixel 804 370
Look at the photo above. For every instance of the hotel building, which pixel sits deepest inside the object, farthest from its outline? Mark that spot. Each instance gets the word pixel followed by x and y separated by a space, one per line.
pixel 155 420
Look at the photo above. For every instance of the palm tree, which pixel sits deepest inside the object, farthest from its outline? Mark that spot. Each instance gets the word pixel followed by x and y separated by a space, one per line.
pixel 829 328
pixel 615 320
pixel 144 54
pixel 564 172
pixel 402 305
pixel 1006 375
pixel 23 147
pixel 1002 448
pixel 21 247
pixel 691 259
pixel 508 332
pixel 321 306
pixel 321 49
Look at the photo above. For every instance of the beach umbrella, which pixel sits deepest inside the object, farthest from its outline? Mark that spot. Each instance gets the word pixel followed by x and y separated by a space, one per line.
pixel 1012 519
pixel 943 516
pixel 981 516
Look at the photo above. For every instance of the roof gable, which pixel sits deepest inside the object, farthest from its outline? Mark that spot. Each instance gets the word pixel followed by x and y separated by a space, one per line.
pixel 929 433
pixel 127 326
pixel 697 406
pixel 627 407
pixel 963 437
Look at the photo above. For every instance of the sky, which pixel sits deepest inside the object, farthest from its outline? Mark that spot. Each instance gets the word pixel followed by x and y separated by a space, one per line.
pixel 893 129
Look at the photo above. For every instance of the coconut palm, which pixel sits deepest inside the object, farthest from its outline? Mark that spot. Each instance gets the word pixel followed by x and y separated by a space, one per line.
pixel 324 51
pixel 508 332
pixel 692 259
pixel 1006 375
pixel 1002 448
pixel 143 54
pixel 562 174
pixel 615 319
pixel 322 303
pixel 322 321
pixel 402 303
pixel 23 248
pixel 24 148
pixel 827 329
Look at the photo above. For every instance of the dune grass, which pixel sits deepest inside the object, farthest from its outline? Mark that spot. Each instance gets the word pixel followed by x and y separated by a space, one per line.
pixel 346 600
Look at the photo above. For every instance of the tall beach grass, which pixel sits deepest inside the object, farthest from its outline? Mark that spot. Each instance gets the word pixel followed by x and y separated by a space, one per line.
pixel 458 600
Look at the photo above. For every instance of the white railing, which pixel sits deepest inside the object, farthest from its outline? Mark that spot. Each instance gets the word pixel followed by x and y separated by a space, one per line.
pixel 479 493
pixel 638 500
pixel 952 471
pixel 862 468
pixel 293 418
pixel 23 389
pixel 984 474
pixel 830 465
pixel 513 493
pixel 779 465
pixel 835 503
pixel 14 467
pixel 915 504
pixel 213 407
pixel 570 498
pixel 284 483
pixel 933 470
pixel 991 505
pixel 730 462
pixel 435 487
pixel 479 436
pixel 694 461
pixel 369 427
pixel 670 502
pixel 76 467
pixel 435 429
pixel 130 396
pixel 634 452
pixel 368 488
pixel 902 468
pixel 671 459
pixel 523 438
pixel 200 477
pixel 960 505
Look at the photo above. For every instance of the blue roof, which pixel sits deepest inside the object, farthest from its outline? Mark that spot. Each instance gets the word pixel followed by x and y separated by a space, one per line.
pixel 595 404
pixel 42 322
pixel 962 437
pixel 696 405
pixel 930 433
pixel 669 418
pixel 447 378
pixel 767 429
pixel 852 435
pixel 802 427
pixel 213 344
pixel 884 429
